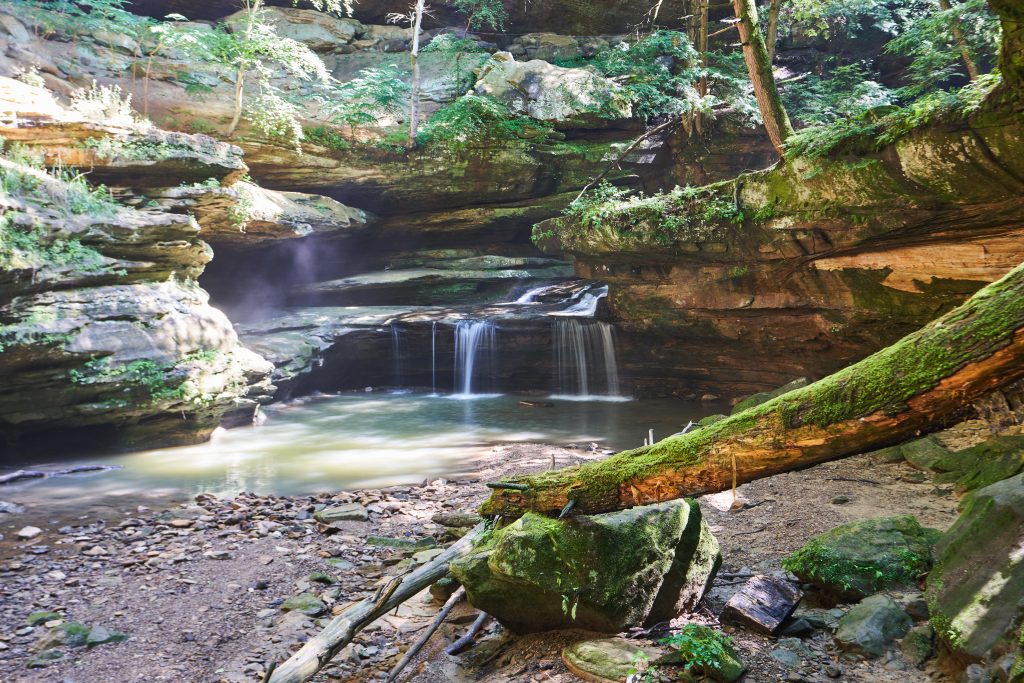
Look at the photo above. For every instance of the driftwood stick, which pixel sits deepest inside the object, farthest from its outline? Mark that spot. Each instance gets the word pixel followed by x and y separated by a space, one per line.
pixel 466 640
pixel 321 648
pixel 18 475
pixel 455 598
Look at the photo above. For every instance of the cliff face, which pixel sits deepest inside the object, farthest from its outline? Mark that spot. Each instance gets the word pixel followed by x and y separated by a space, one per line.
pixel 102 325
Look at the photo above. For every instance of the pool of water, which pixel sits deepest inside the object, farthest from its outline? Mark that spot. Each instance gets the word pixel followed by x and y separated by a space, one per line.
pixel 346 441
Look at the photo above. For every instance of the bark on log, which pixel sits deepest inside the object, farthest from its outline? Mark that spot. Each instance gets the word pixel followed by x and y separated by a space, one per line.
pixel 320 649
pixel 762 605
pixel 886 398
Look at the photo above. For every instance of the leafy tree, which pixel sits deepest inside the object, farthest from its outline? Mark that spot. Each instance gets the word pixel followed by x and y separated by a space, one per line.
pixel 375 93
pixel 944 40
pixel 463 57
pixel 483 14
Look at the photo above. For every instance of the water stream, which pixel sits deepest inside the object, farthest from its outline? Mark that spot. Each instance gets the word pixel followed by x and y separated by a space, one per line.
pixel 346 441
pixel 476 344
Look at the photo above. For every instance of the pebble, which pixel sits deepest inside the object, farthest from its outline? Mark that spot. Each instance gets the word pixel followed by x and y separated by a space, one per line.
pixel 28 532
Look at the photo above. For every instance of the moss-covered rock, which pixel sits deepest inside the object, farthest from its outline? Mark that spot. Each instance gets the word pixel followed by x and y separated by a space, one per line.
pixel 68 634
pixel 858 559
pixel 975 468
pixel 306 603
pixel 925 453
pixel 703 651
pixel 607 659
pixel 602 572
pixel 975 592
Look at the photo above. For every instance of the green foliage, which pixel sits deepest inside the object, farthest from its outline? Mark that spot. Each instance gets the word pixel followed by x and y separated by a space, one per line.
pixel 659 75
pixel 474 120
pixel 700 647
pixel 159 382
pixel 483 13
pixel 33 249
pixel 81 17
pixel 846 91
pixel 685 213
pixel 846 18
pixel 462 56
pixel 930 43
pixel 106 104
pixel 375 93
pixel 871 130
pixel 62 189
pixel 326 137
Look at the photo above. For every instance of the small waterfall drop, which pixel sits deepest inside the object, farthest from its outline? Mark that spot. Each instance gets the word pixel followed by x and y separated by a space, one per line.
pixel 433 357
pixel 396 355
pixel 585 359
pixel 475 348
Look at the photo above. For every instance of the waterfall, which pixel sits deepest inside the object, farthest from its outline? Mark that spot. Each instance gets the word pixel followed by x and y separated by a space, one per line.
pixel 433 357
pixel 396 355
pixel 584 358
pixel 475 346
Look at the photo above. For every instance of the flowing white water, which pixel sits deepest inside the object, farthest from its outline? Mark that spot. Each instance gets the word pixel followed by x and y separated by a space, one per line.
pixel 433 357
pixel 585 359
pixel 396 354
pixel 531 295
pixel 586 307
pixel 476 343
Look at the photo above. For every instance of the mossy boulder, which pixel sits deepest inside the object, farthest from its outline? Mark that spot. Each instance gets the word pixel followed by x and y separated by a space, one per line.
pixel 704 653
pixel 765 396
pixel 607 659
pixel 858 559
pixel 603 572
pixel 975 592
pixel 999 458
pixel 925 453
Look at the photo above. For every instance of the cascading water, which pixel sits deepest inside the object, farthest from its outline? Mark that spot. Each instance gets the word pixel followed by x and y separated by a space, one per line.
pixel 433 357
pixel 475 347
pixel 584 358
pixel 396 355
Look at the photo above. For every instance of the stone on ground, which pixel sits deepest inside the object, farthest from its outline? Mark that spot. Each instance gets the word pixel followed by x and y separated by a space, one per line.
pixel 872 625
pixel 599 572
pixel 607 660
pixel 918 645
pixel 348 512
pixel 304 603
pixel 858 559
pixel 67 634
pixel 975 592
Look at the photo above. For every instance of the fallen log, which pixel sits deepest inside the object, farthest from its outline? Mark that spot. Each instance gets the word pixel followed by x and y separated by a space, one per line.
pixel 900 391
pixel 18 475
pixel 320 649
pixel 762 605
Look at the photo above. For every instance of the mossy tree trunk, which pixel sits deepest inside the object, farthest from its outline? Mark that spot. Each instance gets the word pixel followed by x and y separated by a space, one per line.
pixel 759 66
pixel 890 396
pixel 774 7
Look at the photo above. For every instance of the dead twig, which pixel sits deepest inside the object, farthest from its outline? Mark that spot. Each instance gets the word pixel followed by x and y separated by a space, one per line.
pixel 466 640
pixel 422 640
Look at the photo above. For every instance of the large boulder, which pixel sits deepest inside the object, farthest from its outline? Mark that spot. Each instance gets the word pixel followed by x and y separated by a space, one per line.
pixel 601 572
pixel 975 592
pixel 858 559
pixel 567 97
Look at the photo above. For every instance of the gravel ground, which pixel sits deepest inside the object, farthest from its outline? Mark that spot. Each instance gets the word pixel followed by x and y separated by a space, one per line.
pixel 200 588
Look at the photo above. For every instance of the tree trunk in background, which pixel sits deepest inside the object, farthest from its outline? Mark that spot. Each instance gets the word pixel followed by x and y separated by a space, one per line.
pixel 414 56
pixel 759 66
pixel 702 47
pixel 773 28
pixel 886 398
pixel 961 42
pixel 252 7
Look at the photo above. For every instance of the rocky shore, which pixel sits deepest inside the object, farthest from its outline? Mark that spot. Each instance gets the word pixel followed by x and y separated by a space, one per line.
pixel 215 589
